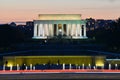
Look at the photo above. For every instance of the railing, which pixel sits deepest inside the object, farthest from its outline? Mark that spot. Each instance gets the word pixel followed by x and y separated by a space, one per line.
pixel 59 66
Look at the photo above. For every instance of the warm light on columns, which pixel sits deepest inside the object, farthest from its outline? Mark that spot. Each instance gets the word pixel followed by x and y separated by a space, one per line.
pixel 68 26
pixel 70 29
pixel 41 30
pixel 57 29
pixel 38 31
pixel 78 29
pixel 35 30
pixel 62 29
pixel 51 29
pixel 48 29
pixel 45 28
pixel 76 33
pixel 84 30
pixel 73 30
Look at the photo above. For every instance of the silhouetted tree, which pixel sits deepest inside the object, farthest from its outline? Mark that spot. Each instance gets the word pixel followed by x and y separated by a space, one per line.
pixel 10 35
pixel 110 36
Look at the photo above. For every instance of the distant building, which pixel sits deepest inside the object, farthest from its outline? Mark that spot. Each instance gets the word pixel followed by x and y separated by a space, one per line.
pixel 53 25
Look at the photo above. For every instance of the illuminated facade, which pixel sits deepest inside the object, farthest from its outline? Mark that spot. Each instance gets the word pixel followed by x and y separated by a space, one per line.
pixel 65 25
pixel 80 60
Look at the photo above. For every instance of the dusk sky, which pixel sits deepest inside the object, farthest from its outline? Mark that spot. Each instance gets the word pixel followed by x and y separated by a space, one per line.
pixel 24 10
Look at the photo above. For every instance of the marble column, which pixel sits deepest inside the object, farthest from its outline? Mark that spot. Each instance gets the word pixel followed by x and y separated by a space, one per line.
pixel 51 29
pixel 76 34
pixel 80 30
pixel 57 29
pixel 39 30
pixel 35 30
pixel 62 29
pixel 72 29
pixel 43 30
pixel 68 27
pixel 47 29
pixel 84 30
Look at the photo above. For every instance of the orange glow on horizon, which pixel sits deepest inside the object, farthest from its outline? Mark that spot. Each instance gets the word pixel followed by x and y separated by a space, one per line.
pixel 30 17
pixel 22 10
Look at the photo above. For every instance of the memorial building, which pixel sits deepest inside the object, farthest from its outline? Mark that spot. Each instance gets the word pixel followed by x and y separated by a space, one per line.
pixel 65 25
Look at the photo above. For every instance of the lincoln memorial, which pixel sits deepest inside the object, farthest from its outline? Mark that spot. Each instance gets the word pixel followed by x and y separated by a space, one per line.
pixel 54 25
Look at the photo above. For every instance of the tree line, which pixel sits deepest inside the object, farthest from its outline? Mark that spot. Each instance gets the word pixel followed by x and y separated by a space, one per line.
pixel 109 36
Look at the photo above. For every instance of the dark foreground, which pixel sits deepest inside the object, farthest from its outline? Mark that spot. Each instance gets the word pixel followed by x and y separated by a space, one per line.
pixel 63 76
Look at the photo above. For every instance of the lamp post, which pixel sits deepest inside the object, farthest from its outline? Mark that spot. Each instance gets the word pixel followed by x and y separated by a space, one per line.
pixel 30 66
pixel 17 67
pixel 63 66
pixel 70 66
pixel 4 67
pixel 11 67
pixel 89 66
pixel 116 66
pixel 109 66
pixel 82 66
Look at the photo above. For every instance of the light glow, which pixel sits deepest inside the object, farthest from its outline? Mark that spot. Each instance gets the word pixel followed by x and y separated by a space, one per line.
pixel 100 64
pixel 9 65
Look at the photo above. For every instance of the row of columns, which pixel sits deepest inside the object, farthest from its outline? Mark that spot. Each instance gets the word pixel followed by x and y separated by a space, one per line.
pixel 75 30
pixel 45 30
